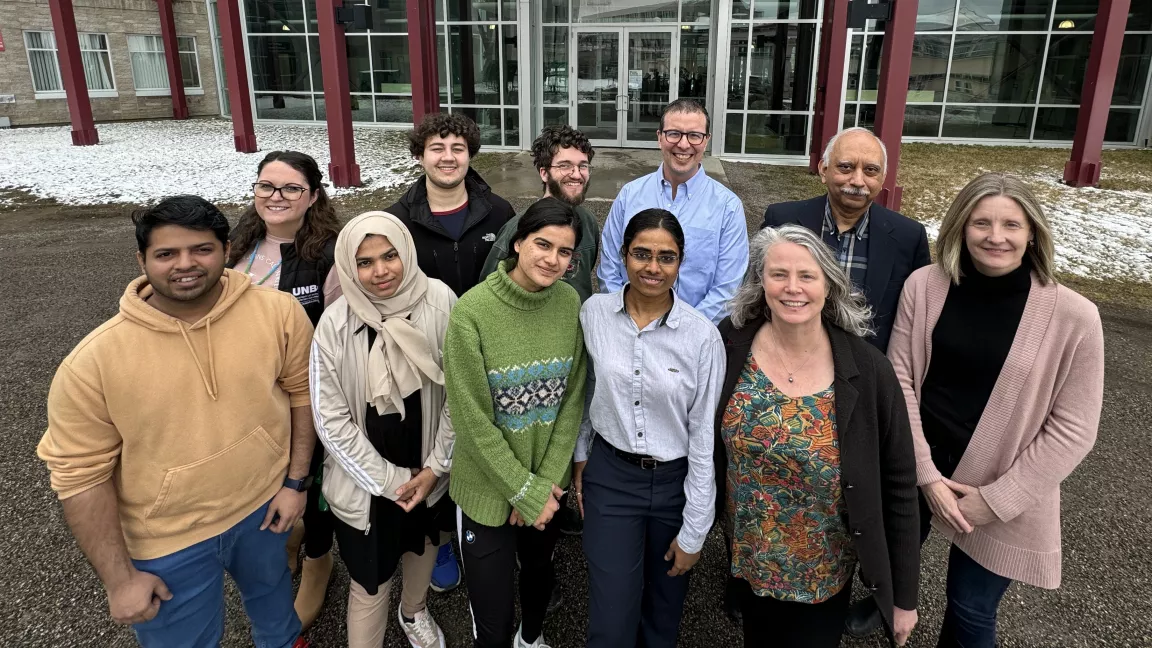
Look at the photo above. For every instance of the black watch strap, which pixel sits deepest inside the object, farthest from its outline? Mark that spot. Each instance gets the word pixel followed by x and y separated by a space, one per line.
pixel 299 485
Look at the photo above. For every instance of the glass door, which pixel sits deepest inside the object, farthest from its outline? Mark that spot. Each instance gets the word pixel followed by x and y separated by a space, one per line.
pixel 624 77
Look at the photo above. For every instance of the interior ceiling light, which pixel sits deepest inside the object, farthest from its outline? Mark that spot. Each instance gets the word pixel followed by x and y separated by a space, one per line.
pixel 1067 24
pixel 286 28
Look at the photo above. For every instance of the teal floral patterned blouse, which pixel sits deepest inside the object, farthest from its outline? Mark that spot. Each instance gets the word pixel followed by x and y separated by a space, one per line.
pixel 790 540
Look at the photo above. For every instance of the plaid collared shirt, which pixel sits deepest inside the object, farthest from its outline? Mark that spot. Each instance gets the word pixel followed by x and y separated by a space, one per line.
pixel 851 246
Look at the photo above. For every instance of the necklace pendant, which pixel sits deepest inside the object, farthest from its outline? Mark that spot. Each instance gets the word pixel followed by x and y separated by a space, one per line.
pixel 790 378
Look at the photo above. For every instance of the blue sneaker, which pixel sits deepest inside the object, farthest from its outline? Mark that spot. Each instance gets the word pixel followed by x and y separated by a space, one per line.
pixel 446 575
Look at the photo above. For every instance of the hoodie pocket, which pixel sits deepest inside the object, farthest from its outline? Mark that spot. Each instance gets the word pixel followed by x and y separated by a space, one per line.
pixel 208 490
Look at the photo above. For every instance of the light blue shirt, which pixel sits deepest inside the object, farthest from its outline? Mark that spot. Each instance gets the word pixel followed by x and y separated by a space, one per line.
pixel 715 238
pixel 654 392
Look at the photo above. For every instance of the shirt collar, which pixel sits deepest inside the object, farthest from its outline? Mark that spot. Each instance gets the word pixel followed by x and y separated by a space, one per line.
pixel 692 186
pixel 860 229
pixel 671 318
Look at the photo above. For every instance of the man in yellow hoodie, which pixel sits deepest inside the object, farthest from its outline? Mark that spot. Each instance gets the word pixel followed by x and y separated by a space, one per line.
pixel 179 438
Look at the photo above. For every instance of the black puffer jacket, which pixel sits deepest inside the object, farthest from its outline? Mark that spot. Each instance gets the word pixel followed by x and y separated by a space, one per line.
pixel 456 263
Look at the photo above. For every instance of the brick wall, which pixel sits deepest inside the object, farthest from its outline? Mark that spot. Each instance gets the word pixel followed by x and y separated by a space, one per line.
pixel 116 19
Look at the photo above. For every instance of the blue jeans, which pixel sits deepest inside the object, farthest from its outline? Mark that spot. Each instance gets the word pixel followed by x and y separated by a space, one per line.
pixel 194 618
pixel 974 595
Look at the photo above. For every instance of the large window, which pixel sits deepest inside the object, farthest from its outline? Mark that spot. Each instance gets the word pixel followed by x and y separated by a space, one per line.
pixel 480 65
pixel 989 69
pixel 150 68
pixel 44 62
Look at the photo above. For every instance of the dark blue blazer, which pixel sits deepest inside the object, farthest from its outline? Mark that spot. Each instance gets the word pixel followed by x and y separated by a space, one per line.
pixel 897 246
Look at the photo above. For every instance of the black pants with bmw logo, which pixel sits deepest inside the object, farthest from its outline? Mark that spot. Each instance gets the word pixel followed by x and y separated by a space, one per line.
pixel 489 555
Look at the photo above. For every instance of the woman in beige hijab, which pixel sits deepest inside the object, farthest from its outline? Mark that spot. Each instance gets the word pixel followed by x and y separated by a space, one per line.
pixel 378 400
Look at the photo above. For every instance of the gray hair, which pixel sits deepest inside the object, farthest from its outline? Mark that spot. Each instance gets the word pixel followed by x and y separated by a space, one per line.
pixel 841 307
pixel 855 129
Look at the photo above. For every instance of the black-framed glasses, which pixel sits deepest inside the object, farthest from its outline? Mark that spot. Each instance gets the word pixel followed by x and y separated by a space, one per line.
pixel 287 192
pixel 694 137
pixel 645 257
pixel 568 167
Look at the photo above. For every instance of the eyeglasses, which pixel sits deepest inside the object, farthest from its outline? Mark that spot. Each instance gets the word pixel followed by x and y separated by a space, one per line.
pixel 568 167
pixel 694 137
pixel 287 192
pixel 646 258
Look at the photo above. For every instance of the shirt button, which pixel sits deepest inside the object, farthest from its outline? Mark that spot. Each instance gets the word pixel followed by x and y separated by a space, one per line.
pixel 636 403
pixel 637 372
pixel 640 434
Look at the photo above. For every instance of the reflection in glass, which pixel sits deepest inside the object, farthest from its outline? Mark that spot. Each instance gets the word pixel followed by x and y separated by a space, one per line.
pixel 274 16
pixel 776 134
pixel 390 16
pixel 394 110
pixel 512 127
pixel 741 9
pixel 1056 124
pixel 555 116
pixel 314 61
pixel 649 82
pixel 929 68
pixel 475 64
pixel 471 9
pixel 554 65
pixel 279 63
pixel 734 133
pixel 600 11
pixel 737 66
pixel 554 11
pixel 1068 61
pixel 935 15
pixel 1122 124
pixel 442 62
pixel 849 115
pixel 867 117
pixel 987 122
pixel 695 11
pixel 296 107
pixel 1001 15
pixel 922 121
pixel 597 84
pixel 1082 15
pixel 361 108
pixel 852 87
pixel 694 62
pixel 391 69
pixel 870 74
pixel 488 119
pixel 996 68
pixel 511 65
pixel 359 65
pixel 781 61
pixel 598 120
pixel 1135 54
pixel 784 9
pixel 508 10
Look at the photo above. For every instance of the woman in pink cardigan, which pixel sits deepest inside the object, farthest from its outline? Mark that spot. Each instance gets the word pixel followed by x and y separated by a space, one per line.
pixel 1003 372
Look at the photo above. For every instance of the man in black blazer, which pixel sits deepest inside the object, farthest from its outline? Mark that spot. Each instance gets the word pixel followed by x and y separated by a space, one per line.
pixel 878 247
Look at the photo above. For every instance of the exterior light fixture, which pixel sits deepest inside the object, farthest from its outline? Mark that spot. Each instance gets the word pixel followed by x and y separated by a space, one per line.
pixel 285 28
pixel 1067 24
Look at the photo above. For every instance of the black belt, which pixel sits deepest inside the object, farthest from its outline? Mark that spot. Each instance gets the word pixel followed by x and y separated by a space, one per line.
pixel 644 461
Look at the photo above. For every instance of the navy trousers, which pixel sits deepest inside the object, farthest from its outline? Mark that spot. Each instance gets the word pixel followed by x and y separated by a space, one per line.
pixel 631 517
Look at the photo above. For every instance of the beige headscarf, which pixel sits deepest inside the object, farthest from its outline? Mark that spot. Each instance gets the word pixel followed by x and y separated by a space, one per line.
pixel 401 352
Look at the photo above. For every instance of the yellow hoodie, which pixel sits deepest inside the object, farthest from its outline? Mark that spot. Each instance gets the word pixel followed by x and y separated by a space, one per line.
pixel 192 421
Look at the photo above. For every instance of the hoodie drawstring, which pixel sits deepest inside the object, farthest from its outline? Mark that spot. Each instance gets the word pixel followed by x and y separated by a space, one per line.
pixel 209 387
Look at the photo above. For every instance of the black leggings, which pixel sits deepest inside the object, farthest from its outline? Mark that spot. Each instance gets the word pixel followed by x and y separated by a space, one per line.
pixel 769 623
pixel 318 525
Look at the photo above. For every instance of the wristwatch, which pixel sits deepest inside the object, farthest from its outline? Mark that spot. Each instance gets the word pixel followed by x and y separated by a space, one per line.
pixel 298 485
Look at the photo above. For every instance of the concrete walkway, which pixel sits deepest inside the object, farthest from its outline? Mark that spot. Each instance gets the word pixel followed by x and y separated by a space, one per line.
pixel 612 169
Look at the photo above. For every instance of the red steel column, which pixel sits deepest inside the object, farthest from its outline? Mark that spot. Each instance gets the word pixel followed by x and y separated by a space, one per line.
pixel 422 54
pixel 236 68
pixel 1083 170
pixel 343 169
pixel 172 57
pixel 830 78
pixel 72 73
pixel 895 66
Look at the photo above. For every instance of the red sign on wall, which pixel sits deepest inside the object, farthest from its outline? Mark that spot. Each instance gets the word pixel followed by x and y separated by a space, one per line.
pixel 1 41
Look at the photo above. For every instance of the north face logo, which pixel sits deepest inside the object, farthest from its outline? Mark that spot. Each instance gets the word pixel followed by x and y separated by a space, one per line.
pixel 489 237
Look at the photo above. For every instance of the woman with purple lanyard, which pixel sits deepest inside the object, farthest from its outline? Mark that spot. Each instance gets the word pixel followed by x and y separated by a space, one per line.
pixel 286 239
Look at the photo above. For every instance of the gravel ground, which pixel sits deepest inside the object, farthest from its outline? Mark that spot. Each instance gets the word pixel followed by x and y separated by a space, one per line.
pixel 66 267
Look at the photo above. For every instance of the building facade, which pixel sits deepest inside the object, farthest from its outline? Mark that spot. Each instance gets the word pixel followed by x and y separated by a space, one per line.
pixel 983 71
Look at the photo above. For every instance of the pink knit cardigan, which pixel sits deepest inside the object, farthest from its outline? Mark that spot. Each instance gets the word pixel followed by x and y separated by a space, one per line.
pixel 1040 422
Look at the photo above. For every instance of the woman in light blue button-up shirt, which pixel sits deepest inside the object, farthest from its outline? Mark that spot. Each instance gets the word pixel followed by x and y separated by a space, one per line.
pixel 644 476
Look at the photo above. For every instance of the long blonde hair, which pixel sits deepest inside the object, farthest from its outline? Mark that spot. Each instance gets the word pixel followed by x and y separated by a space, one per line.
pixel 950 242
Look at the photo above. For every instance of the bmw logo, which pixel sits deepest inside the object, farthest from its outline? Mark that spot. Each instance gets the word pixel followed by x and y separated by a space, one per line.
pixel 469 537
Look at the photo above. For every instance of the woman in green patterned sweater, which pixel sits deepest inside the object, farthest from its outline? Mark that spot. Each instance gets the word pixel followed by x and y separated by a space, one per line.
pixel 514 365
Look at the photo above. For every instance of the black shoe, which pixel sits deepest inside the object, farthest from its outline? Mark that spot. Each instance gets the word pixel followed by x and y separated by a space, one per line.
pixel 732 601
pixel 555 601
pixel 863 618
pixel 571 524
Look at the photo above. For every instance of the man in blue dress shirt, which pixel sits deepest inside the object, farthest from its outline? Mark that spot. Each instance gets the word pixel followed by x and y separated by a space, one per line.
pixel 715 228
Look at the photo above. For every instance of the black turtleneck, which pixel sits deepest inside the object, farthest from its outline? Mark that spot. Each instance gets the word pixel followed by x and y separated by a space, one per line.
pixel 969 346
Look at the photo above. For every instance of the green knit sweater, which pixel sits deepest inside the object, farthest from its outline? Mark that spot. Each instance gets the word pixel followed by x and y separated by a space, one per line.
pixel 514 370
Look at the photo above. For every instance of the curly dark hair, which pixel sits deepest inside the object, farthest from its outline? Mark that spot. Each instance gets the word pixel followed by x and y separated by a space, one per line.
pixel 444 124
pixel 320 222
pixel 554 138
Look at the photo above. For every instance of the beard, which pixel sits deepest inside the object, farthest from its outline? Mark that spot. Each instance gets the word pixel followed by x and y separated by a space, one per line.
pixel 556 190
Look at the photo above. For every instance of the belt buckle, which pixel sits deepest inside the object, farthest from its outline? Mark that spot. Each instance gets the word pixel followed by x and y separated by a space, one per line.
pixel 648 463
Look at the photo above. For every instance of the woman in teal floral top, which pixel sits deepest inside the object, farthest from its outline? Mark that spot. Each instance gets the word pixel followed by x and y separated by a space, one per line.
pixel 817 471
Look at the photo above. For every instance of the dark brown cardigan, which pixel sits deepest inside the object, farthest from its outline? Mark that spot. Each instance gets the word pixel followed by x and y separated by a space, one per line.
pixel 877 462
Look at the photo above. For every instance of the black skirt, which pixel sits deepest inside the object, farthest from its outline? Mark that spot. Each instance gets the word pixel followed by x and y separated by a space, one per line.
pixel 371 556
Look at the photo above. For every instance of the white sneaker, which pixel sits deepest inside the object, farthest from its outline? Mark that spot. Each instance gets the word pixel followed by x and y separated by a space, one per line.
pixel 520 643
pixel 423 631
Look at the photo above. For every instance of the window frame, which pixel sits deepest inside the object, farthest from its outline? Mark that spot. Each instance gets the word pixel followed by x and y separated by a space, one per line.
pixel 166 91
pixel 113 92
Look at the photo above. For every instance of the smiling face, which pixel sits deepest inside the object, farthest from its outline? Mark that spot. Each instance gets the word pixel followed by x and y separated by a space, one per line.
pixel 543 256
pixel 378 266
pixel 652 278
pixel 281 215
pixel 854 174
pixel 682 159
pixel 794 285
pixel 445 160
pixel 182 265
pixel 997 235
pixel 569 186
